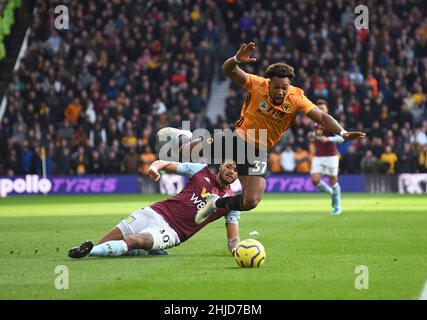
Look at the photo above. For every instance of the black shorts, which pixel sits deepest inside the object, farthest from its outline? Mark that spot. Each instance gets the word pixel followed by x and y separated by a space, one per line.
pixel 250 160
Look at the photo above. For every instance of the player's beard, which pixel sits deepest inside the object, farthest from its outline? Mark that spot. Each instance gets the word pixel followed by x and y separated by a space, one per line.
pixel 223 181
pixel 277 101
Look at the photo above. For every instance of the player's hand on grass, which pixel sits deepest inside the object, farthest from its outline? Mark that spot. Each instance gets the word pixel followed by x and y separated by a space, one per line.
pixel 354 135
pixel 245 51
pixel 154 174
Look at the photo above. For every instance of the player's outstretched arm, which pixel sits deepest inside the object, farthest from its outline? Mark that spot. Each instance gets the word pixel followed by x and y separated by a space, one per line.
pixel 156 166
pixel 230 66
pixel 233 238
pixel 332 125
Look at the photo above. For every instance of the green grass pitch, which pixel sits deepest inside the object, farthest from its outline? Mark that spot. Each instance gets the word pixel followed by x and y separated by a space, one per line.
pixel 310 254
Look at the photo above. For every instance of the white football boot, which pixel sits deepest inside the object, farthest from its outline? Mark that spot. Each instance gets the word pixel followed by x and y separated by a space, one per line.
pixel 207 210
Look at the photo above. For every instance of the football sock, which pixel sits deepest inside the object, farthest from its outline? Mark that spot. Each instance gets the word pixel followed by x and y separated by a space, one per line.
pixel 336 188
pixel 110 248
pixel 337 195
pixel 231 203
pixel 322 186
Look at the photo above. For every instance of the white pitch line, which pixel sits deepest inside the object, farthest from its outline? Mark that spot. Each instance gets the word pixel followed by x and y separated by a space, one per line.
pixel 424 293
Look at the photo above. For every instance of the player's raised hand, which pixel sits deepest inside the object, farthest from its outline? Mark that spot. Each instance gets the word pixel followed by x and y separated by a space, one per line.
pixel 245 51
pixel 354 135
pixel 154 174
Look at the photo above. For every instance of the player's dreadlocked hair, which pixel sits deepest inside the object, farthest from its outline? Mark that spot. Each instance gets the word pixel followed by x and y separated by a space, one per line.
pixel 281 70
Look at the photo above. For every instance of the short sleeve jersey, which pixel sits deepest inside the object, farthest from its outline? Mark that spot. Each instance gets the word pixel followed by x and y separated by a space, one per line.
pixel 259 111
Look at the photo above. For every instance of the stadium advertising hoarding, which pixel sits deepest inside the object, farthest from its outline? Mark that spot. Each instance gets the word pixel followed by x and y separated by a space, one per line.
pixel 128 184
pixel 302 183
pixel 33 184
pixel 412 183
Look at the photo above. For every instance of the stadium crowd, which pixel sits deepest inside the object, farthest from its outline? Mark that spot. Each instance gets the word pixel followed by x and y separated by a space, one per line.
pixel 94 96
pixel 375 80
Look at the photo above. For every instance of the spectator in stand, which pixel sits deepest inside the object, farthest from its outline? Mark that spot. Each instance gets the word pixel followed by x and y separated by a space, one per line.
pixel 197 103
pixel 113 162
pixel 369 163
pixel 63 162
pixel 377 147
pixel 350 162
pixel 96 164
pixel 274 160
pixel 422 159
pixel 73 111
pixel 287 159
pixel 407 160
pixel 146 159
pixel 302 160
pixel 232 107
pixel 390 158
pixel 419 137
pixel 80 161
pixel 130 162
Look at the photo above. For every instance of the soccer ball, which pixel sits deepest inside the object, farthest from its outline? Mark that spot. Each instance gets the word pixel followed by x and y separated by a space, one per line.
pixel 250 253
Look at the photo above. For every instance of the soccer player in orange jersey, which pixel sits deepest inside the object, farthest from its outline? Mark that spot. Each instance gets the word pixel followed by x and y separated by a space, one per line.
pixel 272 103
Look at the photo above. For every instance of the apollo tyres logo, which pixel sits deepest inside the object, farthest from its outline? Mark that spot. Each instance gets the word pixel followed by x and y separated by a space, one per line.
pixel 30 184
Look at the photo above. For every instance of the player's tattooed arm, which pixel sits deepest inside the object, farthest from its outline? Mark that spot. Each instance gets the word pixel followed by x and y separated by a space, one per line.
pixel 332 125
pixel 156 166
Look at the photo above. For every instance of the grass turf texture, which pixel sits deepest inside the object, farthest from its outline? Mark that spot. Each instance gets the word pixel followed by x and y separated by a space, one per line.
pixel 310 254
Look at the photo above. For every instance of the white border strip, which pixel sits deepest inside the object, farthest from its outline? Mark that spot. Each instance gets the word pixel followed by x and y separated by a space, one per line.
pixel 21 54
pixel 424 292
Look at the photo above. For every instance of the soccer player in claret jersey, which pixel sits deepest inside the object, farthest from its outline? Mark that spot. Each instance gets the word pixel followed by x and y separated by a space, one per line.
pixel 168 223
pixel 326 161
pixel 272 103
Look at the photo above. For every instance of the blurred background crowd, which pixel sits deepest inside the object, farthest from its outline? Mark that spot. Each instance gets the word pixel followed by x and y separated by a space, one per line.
pixel 95 95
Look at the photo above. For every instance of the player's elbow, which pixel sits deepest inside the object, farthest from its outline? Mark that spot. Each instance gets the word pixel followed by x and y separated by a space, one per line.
pixel 226 71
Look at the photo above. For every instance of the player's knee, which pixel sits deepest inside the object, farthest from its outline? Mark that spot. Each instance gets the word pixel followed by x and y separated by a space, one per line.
pixel 139 241
pixel 251 203
pixel 315 180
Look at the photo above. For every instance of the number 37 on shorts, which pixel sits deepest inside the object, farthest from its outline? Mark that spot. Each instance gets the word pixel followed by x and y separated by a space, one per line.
pixel 259 167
